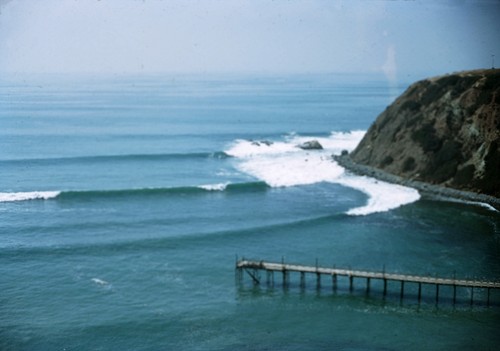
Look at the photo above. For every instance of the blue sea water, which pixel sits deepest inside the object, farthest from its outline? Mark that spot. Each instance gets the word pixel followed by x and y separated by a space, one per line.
pixel 124 202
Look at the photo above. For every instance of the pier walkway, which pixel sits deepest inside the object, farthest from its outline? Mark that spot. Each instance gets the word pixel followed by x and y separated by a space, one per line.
pixel 253 267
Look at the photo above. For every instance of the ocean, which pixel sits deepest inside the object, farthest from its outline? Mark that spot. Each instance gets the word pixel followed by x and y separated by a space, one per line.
pixel 125 202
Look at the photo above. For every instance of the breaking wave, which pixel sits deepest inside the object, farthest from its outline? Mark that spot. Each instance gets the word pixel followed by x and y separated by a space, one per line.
pixel 283 163
pixel 32 195
pixel 94 194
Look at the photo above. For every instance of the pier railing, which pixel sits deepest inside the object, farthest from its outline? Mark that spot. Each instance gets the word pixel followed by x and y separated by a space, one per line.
pixel 253 267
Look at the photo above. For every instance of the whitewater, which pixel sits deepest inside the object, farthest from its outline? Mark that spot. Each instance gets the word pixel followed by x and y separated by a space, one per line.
pixel 284 163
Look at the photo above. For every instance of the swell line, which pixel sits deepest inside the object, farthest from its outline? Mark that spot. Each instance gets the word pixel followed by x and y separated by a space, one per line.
pixel 126 193
pixel 158 243
pixel 114 158
pixel 187 190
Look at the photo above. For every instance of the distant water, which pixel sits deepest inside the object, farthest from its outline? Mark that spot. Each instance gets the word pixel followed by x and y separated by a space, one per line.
pixel 124 202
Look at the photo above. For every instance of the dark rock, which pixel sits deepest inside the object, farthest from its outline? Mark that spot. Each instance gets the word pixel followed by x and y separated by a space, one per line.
pixel 311 145
pixel 409 164
pixel 387 161
pixel 262 142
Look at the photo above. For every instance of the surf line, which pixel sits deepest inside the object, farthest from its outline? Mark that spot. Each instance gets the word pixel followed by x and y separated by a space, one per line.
pixel 253 269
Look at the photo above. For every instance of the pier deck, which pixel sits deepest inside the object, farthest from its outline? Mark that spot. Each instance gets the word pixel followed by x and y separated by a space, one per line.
pixel 252 266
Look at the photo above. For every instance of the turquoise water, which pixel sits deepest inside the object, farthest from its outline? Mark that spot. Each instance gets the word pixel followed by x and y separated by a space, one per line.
pixel 124 202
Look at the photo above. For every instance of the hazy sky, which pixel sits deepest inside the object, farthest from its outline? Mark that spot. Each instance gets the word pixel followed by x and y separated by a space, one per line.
pixel 398 38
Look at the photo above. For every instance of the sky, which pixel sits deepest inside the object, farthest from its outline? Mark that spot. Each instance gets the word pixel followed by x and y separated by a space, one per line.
pixel 399 39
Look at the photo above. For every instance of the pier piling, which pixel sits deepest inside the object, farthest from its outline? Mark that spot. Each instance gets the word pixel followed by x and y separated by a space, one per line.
pixel 253 269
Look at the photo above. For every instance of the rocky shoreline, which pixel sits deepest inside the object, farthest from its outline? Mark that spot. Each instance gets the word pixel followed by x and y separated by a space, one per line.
pixel 427 190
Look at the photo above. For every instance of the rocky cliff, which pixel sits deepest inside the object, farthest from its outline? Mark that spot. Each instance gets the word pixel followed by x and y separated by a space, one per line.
pixel 443 130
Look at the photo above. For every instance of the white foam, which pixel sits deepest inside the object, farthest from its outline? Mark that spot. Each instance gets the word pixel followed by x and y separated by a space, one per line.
pixel 283 164
pixel 345 141
pixel 214 187
pixel 99 281
pixel 249 148
pixel 33 195
pixel 382 196
pixel 472 203
pixel 299 168
pixel 483 204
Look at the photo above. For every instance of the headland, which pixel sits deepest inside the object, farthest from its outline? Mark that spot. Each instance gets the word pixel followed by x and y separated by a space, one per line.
pixel 441 136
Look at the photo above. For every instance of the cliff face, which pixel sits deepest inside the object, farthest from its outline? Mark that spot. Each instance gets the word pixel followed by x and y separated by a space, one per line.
pixel 443 130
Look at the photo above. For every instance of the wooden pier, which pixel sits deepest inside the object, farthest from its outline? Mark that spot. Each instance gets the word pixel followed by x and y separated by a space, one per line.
pixel 253 268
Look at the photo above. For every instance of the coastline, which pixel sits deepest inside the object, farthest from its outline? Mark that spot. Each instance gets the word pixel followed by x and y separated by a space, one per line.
pixel 428 191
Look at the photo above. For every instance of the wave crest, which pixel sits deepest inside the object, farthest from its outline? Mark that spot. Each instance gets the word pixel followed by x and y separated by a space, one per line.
pixel 32 195
pixel 111 194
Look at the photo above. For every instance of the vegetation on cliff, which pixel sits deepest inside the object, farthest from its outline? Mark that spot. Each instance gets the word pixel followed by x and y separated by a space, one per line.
pixel 443 130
